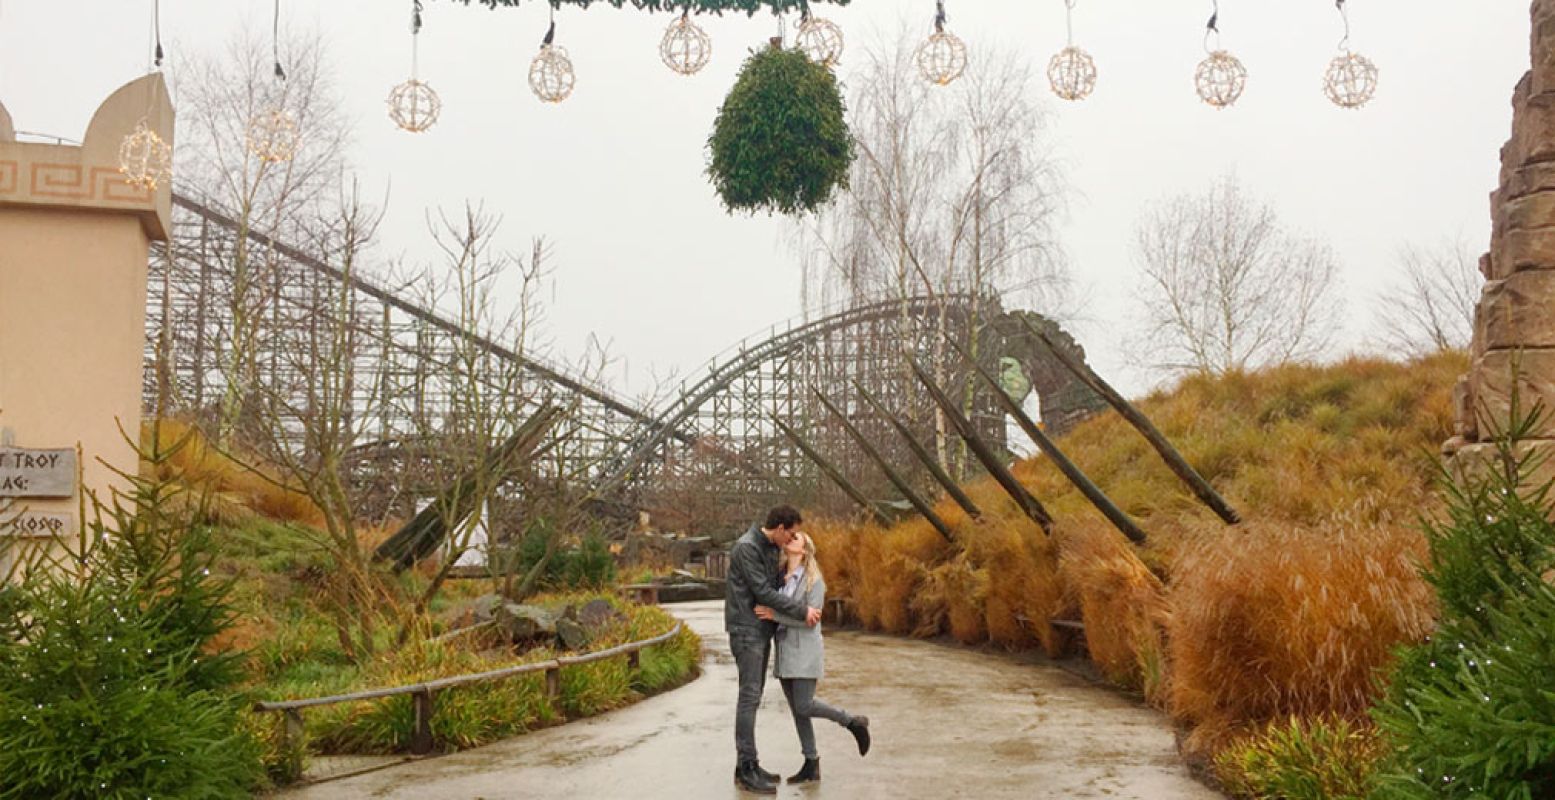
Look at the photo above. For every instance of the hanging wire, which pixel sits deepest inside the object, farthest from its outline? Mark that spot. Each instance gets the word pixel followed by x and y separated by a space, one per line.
pixel 1069 19
pixel 156 27
pixel 1213 27
pixel 1344 14
pixel 275 41
pixel 939 16
pixel 415 35
pixel 550 33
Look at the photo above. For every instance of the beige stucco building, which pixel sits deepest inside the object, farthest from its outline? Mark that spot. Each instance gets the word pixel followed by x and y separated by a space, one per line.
pixel 74 236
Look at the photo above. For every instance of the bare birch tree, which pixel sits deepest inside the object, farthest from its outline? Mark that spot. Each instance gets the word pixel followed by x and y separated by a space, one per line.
pixel 1226 287
pixel 952 193
pixel 1431 309
pixel 218 97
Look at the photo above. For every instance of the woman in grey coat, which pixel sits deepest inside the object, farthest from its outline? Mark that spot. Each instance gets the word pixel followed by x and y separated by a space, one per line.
pixel 800 653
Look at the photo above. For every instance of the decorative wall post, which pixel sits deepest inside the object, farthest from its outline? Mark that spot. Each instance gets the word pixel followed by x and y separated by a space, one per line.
pixel 74 238
pixel 1514 326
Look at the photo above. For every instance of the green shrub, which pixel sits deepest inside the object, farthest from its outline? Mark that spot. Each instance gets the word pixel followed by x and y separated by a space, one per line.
pixel 112 686
pixel 1315 759
pixel 1469 713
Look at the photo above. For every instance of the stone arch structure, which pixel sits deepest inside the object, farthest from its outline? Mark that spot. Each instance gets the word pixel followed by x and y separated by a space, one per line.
pixel 1064 399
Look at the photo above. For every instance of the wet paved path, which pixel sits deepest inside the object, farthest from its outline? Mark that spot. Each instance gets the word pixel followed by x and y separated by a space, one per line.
pixel 948 722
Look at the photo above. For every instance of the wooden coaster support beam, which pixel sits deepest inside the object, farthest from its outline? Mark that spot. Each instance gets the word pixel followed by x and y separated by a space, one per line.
pixel 990 461
pixel 831 472
pixel 1174 460
pixel 891 474
pixel 924 456
pixel 1087 487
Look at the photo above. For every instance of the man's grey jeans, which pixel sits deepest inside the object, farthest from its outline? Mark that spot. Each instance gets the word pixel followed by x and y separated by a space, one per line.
pixel 751 649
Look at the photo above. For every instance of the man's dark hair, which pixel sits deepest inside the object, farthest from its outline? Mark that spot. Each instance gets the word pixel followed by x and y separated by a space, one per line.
pixel 782 517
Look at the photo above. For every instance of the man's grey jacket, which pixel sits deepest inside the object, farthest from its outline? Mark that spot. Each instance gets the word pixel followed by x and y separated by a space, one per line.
pixel 754 580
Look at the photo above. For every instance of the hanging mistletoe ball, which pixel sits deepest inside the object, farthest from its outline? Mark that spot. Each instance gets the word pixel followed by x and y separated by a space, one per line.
pixel 780 141
pixel 145 160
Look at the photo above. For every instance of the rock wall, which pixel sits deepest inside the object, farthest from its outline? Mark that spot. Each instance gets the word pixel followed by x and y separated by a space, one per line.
pixel 1514 330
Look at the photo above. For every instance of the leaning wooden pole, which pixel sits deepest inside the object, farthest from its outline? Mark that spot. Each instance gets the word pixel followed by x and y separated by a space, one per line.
pixel 924 456
pixel 1001 474
pixel 843 483
pixel 1168 453
pixel 891 474
pixel 1087 487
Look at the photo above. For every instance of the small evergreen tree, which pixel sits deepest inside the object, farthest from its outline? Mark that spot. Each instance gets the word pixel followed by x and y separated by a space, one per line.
pixel 110 685
pixel 1471 712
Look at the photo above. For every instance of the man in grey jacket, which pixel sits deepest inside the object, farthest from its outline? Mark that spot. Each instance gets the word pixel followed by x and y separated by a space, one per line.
pixel 754 580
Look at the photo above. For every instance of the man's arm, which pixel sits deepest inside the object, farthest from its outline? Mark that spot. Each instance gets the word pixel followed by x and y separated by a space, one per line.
pixel 752 569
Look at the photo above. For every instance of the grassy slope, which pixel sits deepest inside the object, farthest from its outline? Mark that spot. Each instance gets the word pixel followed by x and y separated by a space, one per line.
pixel 1227 628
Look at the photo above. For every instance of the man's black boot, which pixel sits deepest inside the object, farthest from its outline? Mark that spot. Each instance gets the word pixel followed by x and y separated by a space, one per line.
pixel 772 777
pixel 811 771
pixel 859 727
pixel 746 777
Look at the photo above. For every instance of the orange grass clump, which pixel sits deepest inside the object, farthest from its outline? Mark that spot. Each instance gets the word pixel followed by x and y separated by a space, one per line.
pixel 235 481
pixel 1271 621
pixel 1122 603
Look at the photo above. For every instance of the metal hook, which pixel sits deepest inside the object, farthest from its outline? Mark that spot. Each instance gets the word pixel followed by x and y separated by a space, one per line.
pixel 1213 27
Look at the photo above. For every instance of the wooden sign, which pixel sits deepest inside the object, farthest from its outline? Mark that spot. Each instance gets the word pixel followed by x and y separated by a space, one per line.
pixel 36 523
pixel 37 473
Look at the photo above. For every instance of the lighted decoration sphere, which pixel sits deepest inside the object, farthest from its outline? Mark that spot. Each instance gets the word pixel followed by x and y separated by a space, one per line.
pixel 1220 79
pixel 144 159
pixel 685 48
pixel 550 74
pixel 1072 73
pixel 273 136
pixel 414 106
pixel 821 40
pixel 1351 80
pixel 942 58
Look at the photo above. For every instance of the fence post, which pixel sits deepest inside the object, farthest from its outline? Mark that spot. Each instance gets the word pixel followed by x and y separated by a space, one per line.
pixel 633 659
pixel 421 737
pixel 293 743
pixel 553 682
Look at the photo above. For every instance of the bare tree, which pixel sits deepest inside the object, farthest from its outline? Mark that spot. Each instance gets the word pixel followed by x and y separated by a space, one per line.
pixel 307 416
pixel 1226 287
pixel 219 96
pixel 952 193
pixel 465 414
pixel 1432 308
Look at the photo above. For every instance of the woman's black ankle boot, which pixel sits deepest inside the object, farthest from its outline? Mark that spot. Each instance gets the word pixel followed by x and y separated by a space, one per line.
pixel 859 727
pixel 811 771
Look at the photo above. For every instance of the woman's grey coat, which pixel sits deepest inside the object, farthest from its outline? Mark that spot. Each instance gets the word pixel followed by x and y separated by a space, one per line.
pixel 800 651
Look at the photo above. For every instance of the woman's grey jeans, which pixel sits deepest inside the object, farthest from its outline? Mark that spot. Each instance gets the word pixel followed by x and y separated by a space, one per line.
pixel 803 703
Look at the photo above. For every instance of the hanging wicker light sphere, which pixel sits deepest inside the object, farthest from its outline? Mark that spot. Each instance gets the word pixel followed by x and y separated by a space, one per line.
pixel 685 48
pixel 1351 80
pixel 1072 73
pixel 145 160
pixel 273 136
pixel 942 57
pixel 414 106
pixel 550 74
pixel 1220 79
pixel 821 40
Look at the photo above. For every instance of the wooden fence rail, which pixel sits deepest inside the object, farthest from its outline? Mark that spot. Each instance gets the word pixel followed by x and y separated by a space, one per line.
pixel 422 693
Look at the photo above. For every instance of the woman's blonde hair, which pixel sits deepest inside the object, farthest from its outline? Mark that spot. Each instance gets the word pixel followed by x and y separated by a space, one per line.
pixel 812 566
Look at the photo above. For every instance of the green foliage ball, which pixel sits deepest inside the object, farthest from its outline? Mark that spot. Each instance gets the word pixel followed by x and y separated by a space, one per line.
pixel 780 141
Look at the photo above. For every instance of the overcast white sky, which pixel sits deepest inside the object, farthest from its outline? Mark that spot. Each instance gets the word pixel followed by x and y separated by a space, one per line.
pixel 646 258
